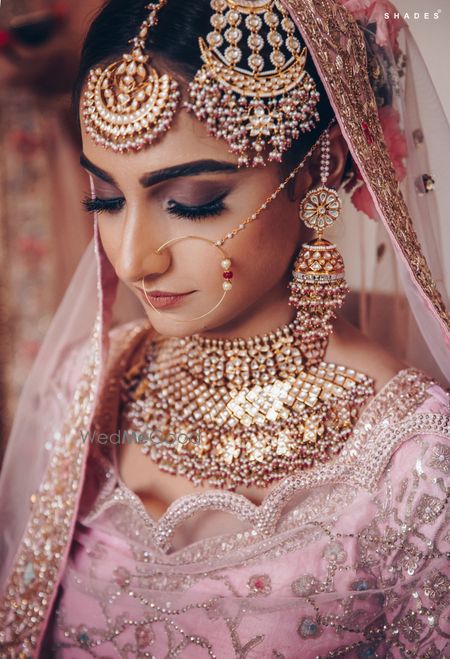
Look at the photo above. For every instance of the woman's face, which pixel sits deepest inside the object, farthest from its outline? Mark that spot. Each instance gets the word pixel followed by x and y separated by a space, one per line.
pixel 188 184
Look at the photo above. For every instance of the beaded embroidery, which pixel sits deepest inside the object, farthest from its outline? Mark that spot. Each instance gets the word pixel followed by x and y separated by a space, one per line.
pixel 372 575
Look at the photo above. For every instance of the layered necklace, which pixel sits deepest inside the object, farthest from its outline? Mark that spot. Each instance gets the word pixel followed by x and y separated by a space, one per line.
pixel 231 412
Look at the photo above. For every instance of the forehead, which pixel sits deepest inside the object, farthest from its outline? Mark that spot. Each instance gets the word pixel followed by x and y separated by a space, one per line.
pixel 187 139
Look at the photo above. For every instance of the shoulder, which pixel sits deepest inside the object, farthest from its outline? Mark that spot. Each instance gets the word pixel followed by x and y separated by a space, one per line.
pixel 429 420
pixel 419 470
pixel 123 333
pixel 420 436
pixel 403 452
pixel 404 425
pixel 350 347
pixel 412 402
pixel 126 338
pixel 126 343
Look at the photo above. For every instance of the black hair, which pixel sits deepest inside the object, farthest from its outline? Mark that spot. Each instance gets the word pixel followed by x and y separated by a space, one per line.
pixel 174 40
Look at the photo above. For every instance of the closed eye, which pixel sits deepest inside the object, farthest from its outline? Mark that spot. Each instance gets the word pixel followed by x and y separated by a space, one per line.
pixel 198 212
pixel 210 209
pixel 97 205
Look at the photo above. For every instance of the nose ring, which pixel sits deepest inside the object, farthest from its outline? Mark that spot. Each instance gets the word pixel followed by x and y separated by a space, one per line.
pixel 225 264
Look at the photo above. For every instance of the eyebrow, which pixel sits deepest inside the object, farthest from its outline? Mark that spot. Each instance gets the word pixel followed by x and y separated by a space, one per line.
pixel 93 169
pixel 177 171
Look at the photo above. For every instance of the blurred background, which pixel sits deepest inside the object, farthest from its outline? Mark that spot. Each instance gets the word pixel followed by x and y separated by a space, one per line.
pixel 43 229
pixel 433 37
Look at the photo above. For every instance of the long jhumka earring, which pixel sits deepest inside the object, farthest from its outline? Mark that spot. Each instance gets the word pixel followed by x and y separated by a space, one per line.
pixel 318 286
pixel 259 106
pixel 128 105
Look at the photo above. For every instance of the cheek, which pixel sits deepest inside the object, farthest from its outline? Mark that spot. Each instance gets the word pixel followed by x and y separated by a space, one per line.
pixel 109 236
pixel 263 252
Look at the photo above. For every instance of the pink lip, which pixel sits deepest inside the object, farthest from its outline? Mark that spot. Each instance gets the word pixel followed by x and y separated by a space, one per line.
pixel 163 299
pixel 166 294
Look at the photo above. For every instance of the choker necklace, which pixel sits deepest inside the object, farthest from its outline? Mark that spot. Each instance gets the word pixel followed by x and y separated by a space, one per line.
pixel 232 412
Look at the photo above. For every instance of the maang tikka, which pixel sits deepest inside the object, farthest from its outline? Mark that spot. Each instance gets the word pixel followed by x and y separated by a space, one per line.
pixel 255 93
pixel 259 108
pixel 318 286
pixel 127 104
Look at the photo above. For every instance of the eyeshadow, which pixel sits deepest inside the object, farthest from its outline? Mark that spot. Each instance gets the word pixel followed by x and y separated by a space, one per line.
pixel 105 190
pixel 194 193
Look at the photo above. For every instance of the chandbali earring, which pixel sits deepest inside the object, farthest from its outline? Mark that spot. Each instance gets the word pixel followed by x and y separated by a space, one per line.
pixel 318 286
pixel 259 106
pixel 128 105
pixel 225 265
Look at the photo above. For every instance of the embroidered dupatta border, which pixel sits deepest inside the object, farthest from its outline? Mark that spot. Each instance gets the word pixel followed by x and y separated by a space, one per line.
pixel 30 590
pixel 40 553
pixel 336 44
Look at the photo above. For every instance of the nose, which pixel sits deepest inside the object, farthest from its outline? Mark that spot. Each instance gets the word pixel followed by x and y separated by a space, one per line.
pixel 136 254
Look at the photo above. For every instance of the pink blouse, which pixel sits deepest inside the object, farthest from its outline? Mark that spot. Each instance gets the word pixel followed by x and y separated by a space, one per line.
pixel 348 559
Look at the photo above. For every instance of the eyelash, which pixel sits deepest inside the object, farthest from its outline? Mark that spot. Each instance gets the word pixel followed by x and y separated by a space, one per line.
pixel 196 213
pixel 96 205
pixel 193 213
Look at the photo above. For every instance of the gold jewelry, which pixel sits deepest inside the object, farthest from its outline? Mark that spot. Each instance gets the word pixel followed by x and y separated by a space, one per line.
pixel 225 264
pixel 259 108
pixel 128 104
pixel 318 286
pixel 250 410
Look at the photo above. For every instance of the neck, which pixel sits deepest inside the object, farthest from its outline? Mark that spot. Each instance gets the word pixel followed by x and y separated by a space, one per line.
pixel 268 315
pixel 264 316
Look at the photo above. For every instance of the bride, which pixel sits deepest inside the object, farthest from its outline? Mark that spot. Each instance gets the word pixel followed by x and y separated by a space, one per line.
pixel 238 471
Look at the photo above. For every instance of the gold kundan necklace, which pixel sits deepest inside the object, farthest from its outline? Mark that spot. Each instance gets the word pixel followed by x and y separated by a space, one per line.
pixel 239 411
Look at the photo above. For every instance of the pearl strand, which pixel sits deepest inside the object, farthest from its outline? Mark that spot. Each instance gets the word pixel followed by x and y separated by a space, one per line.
pixel 243 225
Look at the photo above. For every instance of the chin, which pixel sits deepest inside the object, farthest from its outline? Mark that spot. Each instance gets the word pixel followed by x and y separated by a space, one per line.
pixel 168 327
pixel 165 324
